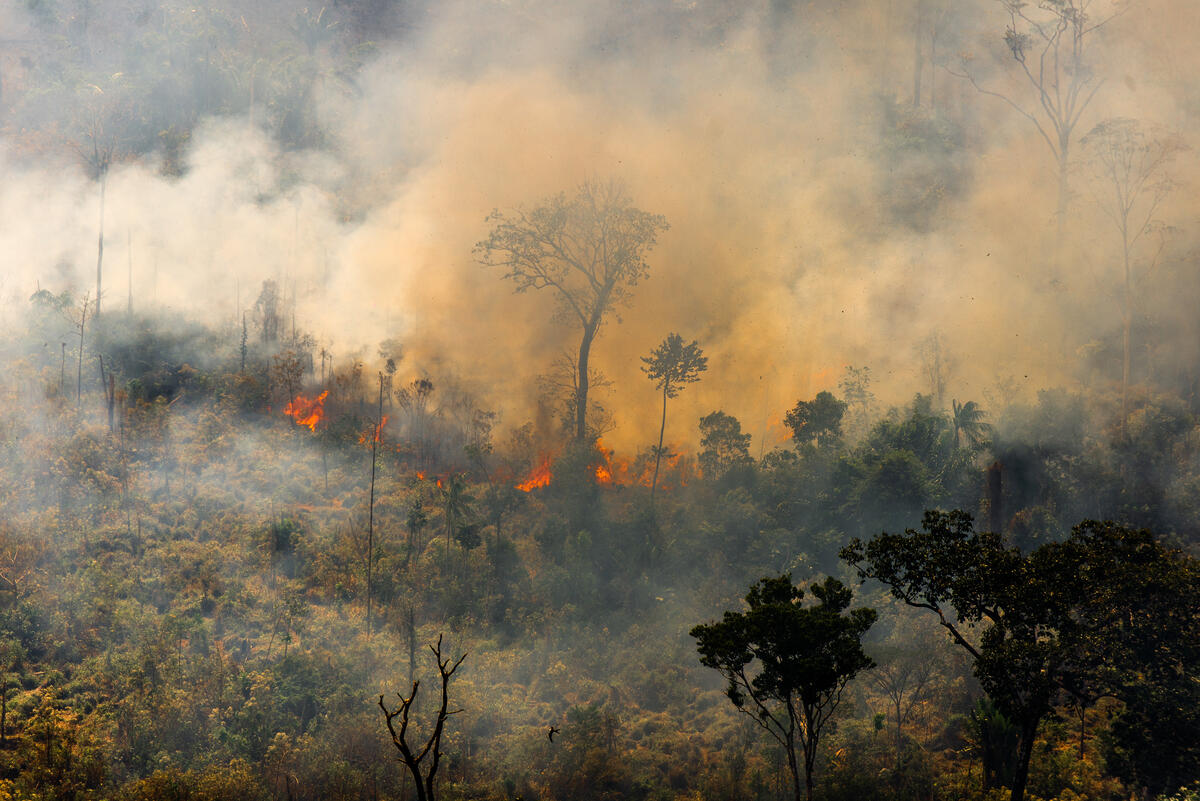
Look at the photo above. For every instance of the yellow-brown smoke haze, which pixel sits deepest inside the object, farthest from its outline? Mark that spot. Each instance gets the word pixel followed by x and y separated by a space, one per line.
pixel 780 259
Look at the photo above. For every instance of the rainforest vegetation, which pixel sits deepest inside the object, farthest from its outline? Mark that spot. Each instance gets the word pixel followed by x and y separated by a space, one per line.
pixel 722 401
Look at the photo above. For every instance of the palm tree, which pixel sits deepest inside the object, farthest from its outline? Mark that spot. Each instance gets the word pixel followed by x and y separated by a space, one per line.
pixel 456 504
pixel 672 364
pixel 969 424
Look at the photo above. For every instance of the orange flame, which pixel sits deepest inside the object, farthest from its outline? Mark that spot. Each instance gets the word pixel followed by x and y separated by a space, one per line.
pixel 366 437
pixel 307 412
pixel 538 477
pixel 604 469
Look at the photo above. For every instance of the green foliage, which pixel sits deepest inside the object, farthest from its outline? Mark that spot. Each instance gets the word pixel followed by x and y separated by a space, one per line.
pixel 1075 620
pixel 787 664
pixel 817 421
pixel 724 446
pixel 673 364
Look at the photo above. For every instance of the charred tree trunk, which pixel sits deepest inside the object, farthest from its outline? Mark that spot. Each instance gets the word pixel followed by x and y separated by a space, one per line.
pixel 410 755
pixel 995 495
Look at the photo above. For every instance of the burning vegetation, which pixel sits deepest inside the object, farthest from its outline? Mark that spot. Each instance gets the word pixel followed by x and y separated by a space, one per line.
pixel 284 207
pixel 309 412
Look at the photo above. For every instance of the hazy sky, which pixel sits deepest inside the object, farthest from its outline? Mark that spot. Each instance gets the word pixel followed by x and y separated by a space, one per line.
pixel 818 219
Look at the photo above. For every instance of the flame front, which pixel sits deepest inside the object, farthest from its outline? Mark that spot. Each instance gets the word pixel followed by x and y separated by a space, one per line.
pixel 307 412
pixel 538 477
pixel 604 468
pixel 374 433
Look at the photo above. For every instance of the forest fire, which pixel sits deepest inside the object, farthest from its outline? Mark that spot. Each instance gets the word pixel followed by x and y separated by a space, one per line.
pixel 538 477
pixel 307 412
pixel 608 469
pixel 604 469
pixel 373 434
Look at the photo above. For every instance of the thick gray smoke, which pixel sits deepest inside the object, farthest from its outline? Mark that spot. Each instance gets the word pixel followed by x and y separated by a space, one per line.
pixel 818 218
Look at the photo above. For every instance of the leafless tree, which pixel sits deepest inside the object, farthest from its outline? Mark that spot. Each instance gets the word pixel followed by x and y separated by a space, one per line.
pixel 1050 42
pixel 1129 165
pixel 410 753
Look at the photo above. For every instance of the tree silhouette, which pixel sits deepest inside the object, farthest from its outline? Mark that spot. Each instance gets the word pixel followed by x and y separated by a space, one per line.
pixel 1129 163
pixel 1050 42
pixel 787 665
pixel 590 249
pixel 671 365
pixel 1069 622
pixel 968 423
pixel 413 758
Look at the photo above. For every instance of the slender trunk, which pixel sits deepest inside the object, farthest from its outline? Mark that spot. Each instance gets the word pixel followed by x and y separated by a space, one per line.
pixel 371 504
pixel 1126 328
pixel 411 625
pixel 899 737
pixel 658 454
pixel 581 389
pixel 79 371
pixel 1064 199
pixel 1082 729
pixel 100 243
pixel 129 280
pixel 1024 755
pixel 933 65
pixel 918 56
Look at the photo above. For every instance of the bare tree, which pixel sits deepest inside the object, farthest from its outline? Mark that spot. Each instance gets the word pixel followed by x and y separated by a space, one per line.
pixel 78 320
pixel 97 150
pixel 412 755
pixel 590 249
pixel 1050 42
pixel 1129 165
pixel 906 676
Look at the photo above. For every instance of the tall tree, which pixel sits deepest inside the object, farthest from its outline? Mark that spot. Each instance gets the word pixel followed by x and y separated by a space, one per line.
pixel 788 664
pixel 97 150
pixel 590 249
pixel 1067 623
pixel 671 365
pixel 1050 42
pixel 1129 164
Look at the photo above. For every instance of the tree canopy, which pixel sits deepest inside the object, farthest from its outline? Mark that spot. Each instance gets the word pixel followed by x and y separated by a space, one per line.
pixel 1072 621
pixel 787 664
pixel 590 249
